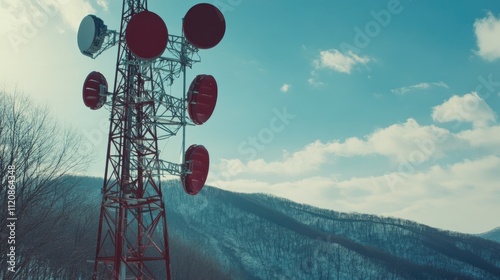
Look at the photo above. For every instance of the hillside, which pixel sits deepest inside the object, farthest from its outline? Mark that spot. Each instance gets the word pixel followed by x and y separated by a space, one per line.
pixel 224 235
pixel 265 237
pixel 493 234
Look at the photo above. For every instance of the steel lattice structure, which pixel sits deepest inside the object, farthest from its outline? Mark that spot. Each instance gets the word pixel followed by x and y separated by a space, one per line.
pixel 132 240
pixel 132 206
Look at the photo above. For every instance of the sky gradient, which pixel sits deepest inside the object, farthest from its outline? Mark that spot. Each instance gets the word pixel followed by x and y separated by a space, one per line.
pixel 382 107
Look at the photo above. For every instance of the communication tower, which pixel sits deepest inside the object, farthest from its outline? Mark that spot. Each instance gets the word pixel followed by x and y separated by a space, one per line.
pixel 132 240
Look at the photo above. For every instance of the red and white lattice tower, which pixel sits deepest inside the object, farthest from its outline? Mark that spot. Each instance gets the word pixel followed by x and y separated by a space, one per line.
pixel 132 240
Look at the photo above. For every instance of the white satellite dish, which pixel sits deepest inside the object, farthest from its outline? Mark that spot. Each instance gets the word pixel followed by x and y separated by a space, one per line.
pixel 91 35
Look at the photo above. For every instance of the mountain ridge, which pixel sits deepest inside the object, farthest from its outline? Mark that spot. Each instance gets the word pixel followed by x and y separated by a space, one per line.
pixel 259 236
pixel 493 234
pixel 429 254
pixel 371 252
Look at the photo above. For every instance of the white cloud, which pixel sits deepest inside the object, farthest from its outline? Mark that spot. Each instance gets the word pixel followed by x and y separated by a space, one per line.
pixel 285 87
pixel 407 145
pixel 420 86
pixel 304 161
pixel 336 60
pixel 458 193
pixel 27 17
pixel 484 137
pixel 467 108
pixel 460 196
pixel 288 189
pixel 487 32
pixel 395 141
pixel 73 12
pixel 408 141
pixel 314 83
pixel 103 4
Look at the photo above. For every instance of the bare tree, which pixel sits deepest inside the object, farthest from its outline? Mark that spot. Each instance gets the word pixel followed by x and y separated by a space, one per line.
pixel 43 153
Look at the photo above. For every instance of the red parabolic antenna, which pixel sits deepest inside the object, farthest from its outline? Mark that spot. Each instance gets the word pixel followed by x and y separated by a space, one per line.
pixel 92 97
pixel 198 163
pixel 202 97
pixel 204 26
pixel 146 35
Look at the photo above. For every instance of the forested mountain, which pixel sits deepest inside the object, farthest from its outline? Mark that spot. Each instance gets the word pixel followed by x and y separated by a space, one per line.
pixel 224 235
pixel 56 233
pixel 266 237
pixel 493 234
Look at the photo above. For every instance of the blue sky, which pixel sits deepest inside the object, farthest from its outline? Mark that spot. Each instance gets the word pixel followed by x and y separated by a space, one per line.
pixel 383 107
